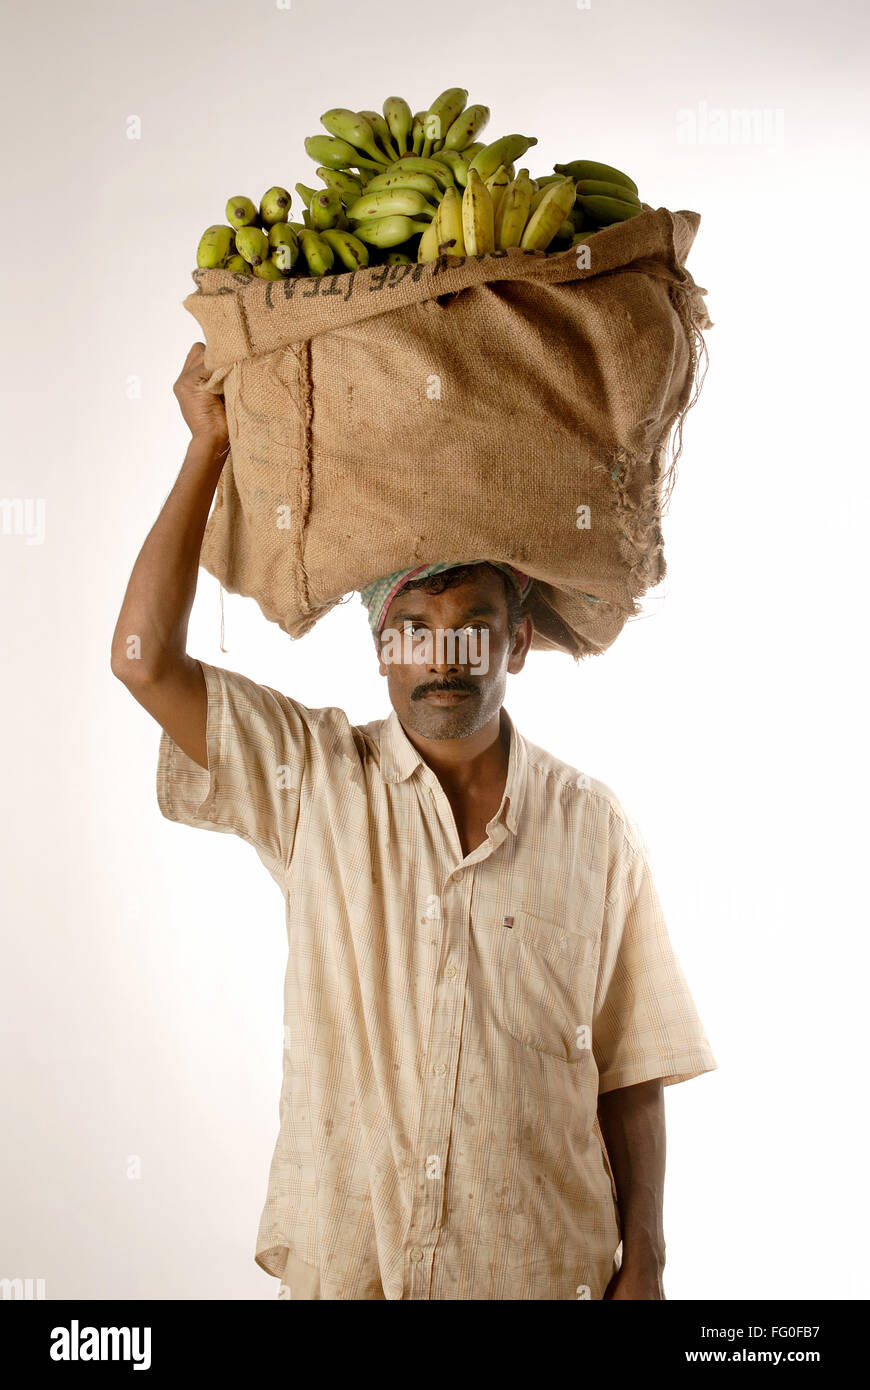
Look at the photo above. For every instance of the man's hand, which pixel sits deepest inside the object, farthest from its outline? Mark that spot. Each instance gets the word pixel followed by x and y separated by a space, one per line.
pixel 203 411
pixel 634 1282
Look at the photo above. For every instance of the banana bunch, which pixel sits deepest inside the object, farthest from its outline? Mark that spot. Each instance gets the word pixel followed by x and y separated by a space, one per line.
pixel 399 187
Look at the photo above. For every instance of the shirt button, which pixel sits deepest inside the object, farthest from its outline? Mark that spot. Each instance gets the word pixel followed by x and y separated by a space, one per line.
pixel 416 1254
pixel 439 1069
pixel 451 971
pixel 457 877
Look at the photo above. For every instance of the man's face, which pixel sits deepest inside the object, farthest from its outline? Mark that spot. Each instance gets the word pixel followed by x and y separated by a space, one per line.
pixel 462 637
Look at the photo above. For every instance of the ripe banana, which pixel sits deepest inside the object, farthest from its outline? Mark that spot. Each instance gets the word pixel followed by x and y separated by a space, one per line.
pixel 549 215
pixel 427 249
pixel 503 151
pixel 467 126
pixel 456 162
pixel 415 164
pixel 478 231
pixel 267 270
pixel 325 209
pixel 355 129
pixel 240 212
pixel 397 114
pixel 285 246
pixel 338 154
pixel 318 253
pixel 353 253
pixel 216 245
pixel 238 264
pixel 397 177
pixel 590 169
pixel 442 113
pixel 513 212
pixel 450 235
pixel 274 206
pixel 347 187
pixel 253 244
pixel 382 133
pixel 390 231
pixel 604 211
pixel 389 202
pixel 497 185
pixel 597 188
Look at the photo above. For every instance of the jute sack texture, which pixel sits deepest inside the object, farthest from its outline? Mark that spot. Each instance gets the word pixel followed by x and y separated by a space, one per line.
pixel 515 406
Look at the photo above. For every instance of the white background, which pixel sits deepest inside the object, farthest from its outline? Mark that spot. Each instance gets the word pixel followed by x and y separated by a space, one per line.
pixel 143 961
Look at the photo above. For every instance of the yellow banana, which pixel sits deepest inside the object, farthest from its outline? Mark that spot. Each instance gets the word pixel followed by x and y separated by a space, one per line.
pixel 353 253
pixel 389 202
pixel 318 253
pixel 549 215
pixel 513 213
pixel 241 212
pixel 397 114
pixel 497 185
pixel 355 129
pixel 216 245
pixel 467 126
pixel 503 151
pixel 274 206
pixel 253 244
pixel 390 231
pixel 428 247
pixel 338 154
pixel 478 231
pixel 450 236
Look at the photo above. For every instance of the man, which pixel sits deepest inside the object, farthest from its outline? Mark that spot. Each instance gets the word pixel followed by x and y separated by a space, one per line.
pixel 482 1004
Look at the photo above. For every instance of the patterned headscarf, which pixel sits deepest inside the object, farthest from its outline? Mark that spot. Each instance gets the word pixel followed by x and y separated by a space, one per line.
pixel 378 596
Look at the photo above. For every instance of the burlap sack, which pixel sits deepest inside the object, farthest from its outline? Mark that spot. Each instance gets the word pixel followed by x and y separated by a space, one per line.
pixel 461 410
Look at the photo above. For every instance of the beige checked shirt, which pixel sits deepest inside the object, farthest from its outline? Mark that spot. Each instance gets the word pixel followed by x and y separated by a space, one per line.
pixel 449 1021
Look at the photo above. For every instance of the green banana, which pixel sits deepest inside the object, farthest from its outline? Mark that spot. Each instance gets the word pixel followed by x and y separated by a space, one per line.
pixel 253 244
pixel 604 211
pixel 471 150
pixel 502 151
pixel 398 258
pixel 267 270
pixel 442 113
pixel 325 209
pixel 390 231
pixel 274 205
pixel 478 228
pixel 467 126
pixel 389 202
pixel 382 133
pixel 584 236
pixel 427 250
pixel 597 188
pixel 450 235
pixel 238 264
pixel 347 187
pixel 318 253
pixel 401 178
pixel 353 253
pixel 565 233
pixel 549 215
pixel 216 245
pixel 397 114
pixel 240 212
pixel 456 162
pixel 356 130
pixel 338 154
pixel 513 212
pixel 590 169
pixel 285 246
pixel 305 193
pixel 414 164
pixel 417 132
pixel 497 185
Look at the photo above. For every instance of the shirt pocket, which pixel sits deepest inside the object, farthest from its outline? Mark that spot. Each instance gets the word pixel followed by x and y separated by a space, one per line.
pixel 547 978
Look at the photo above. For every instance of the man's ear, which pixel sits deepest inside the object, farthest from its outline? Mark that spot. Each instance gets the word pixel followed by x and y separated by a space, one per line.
pixel 521 644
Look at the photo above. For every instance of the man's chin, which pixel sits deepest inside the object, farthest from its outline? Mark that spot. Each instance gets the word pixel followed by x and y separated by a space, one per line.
pixel 436 721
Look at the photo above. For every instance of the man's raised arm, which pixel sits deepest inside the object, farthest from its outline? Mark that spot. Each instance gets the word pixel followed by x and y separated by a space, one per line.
pixel 149 646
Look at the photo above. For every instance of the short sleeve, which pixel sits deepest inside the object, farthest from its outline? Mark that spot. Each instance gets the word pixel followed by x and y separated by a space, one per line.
pixel 645 1024
pixel 265 752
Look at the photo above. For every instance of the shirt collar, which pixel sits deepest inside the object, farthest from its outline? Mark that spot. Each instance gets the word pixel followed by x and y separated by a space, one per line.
pixel 399 758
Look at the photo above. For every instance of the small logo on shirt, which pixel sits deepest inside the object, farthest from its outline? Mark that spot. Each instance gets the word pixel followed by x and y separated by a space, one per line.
pixel 507 921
